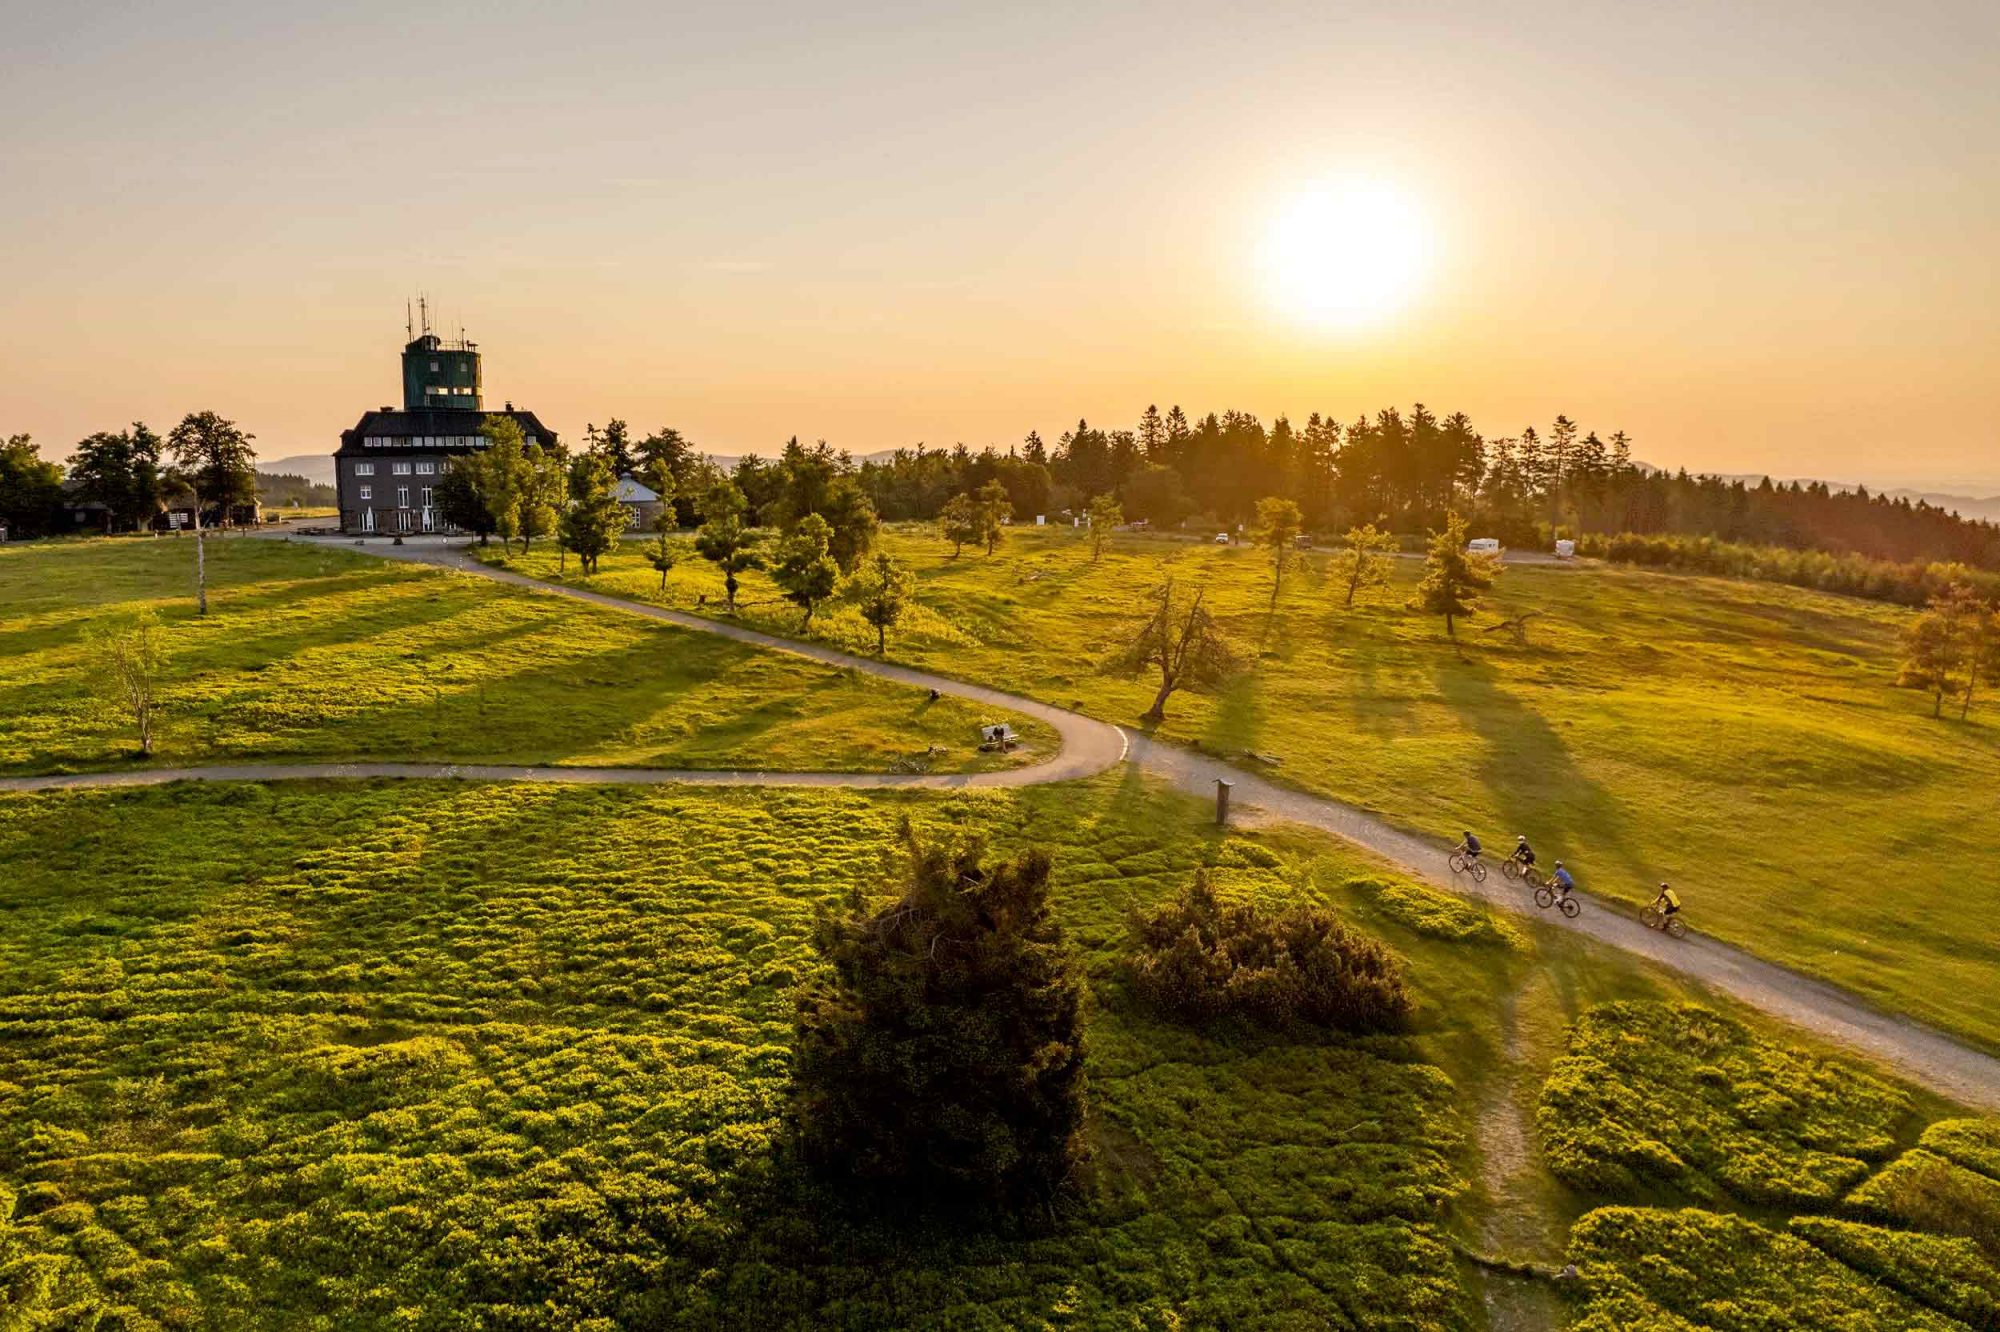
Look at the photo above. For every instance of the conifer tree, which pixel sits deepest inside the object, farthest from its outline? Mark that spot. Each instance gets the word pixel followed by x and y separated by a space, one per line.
pixel 724 540
pixel 883 590
pixel 1453 578
pixel 806 572
pixel 1277 530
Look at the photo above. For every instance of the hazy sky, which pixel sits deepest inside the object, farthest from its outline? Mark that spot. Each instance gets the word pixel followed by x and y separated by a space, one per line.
pixel 1756 236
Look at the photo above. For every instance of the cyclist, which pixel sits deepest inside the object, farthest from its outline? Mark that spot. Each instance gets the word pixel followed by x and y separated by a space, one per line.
pixel 1470 846
pixel 1564 884
pixel 1669 901
pixel 1523 852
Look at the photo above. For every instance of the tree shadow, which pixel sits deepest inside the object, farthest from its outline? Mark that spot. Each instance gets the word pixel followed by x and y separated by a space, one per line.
pixel 1531 777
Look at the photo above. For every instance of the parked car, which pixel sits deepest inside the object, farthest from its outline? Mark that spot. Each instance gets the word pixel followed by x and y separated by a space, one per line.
pixel 1222 538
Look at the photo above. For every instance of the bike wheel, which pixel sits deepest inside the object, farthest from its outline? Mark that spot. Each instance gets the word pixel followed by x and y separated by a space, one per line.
pixel 1543 897
pixel 1570 906
pixel 1677 927
pixel 1478 872
pixel 1649 917
pixel 1511 868
pixel 1457 862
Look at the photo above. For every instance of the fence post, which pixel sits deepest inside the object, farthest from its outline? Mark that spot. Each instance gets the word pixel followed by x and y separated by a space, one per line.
pixel 1221 802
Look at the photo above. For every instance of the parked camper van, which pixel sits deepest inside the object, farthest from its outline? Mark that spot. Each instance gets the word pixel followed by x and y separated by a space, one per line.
pixel 1483 546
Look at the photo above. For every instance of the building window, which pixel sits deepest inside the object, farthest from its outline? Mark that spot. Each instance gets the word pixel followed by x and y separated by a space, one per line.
pixel 367 492
pixel 401 468
pixel 434 365
pixel 364 469
pixel 427 497
pixel 426 467
pixel 402 497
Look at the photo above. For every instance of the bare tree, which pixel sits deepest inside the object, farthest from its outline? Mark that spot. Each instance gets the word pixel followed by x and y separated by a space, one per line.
pixel 1184 643
pixel 131 658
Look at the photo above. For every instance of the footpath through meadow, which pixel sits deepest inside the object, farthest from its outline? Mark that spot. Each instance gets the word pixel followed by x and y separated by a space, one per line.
pixel 1091 746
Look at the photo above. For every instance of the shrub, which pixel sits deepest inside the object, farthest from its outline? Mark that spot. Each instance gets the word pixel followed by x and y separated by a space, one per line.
pixel 1437 915
pixel 1949 1274
pixel 1924 1190
pixel 1658 1269
pixel 1199 960
pixel 1680 1095
pixel 1909 583
pixel 946 1049
pixel 1973 1143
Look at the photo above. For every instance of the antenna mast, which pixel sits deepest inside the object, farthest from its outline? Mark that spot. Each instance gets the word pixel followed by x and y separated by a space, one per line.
pixel 409 324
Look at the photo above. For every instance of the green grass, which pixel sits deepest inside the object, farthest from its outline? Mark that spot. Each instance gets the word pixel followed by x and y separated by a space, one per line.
pixel 354 1054
pixel 311 653
pixel 1744 740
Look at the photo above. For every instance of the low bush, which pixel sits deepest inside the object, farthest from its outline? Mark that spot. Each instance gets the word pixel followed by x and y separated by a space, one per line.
pixel 1946 1273
pixel 1928 1192
pixel 1973 1143
pixel 1680 1095
pixel 945 1051
pixel 1437 915
pixel 1911 583
pixel 1677 1270
pixel 1199 960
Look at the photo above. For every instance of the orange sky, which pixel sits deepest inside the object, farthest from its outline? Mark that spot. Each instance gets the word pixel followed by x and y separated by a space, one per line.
pixel 1755 241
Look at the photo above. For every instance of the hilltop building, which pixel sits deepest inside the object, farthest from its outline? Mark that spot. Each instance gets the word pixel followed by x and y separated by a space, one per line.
pixel 386 465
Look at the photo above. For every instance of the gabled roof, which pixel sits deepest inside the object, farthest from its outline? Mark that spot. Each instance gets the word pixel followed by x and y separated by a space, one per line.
pixel 629 491
pixel 436 421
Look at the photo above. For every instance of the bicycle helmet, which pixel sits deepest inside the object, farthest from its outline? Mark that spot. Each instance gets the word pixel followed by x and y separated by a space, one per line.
pixel 1520 837
pixel 1559 864
pixel 1663 885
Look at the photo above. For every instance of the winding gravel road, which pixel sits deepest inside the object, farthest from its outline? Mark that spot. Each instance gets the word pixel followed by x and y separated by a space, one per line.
pixel 1090 746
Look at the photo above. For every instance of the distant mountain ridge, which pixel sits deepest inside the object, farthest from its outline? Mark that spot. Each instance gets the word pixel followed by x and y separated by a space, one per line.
pixel 1965 506
pixel 312 466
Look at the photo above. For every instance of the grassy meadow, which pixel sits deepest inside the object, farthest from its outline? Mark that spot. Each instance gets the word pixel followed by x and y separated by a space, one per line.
pixel 447 1055
pixel 314 653
pixel 1744 740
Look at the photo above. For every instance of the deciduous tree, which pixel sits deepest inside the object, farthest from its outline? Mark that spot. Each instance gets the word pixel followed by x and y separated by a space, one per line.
pixel 959 523
pixel 724 540
pixel 1277 530
pixel 592 523
pixel 216 464
pixel 1105 514
pixel 883 590
pixel 1363 562
pixel 1182 641
pixel 121 472
pixel 131 658
pixel 805 571
pixel 992 508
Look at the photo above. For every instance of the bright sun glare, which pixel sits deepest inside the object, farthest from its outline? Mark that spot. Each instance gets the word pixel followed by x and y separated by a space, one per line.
pixel 1346 254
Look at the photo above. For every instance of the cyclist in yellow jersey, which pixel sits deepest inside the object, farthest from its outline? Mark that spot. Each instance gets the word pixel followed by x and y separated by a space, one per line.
pixel 1669 901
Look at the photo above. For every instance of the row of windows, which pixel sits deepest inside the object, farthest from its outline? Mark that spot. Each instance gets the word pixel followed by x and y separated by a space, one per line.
pixel 425 467
pixel 402 495
pixel 424 442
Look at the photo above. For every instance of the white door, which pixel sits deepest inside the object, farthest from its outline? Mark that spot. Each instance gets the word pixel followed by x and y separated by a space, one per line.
pixel 368 520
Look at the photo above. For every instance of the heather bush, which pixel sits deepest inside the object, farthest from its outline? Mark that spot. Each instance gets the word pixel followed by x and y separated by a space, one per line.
pixel 1680 1095
pixel 945 1050
pixel 1973 1143
pixel 1947 1273
pixel 1925 1191
pixel 1198 960
pixel 1678 1270
pixel 1437 915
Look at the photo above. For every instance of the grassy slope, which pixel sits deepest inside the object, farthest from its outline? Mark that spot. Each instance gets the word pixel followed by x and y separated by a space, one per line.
pixel 324 654
pixel 1744 740
pixel 441 1049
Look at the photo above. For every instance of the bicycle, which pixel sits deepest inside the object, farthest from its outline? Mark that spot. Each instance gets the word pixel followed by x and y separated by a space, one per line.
pixel 1528 874
pixel 1546 896
pixel 1655 919
pixel 1463 862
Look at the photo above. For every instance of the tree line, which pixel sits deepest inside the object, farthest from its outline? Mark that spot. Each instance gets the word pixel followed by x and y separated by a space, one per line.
pixel 205 463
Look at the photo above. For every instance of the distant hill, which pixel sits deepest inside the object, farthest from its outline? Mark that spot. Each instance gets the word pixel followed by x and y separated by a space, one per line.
pixel 312 466
pixel 1965 506
pixel 282 490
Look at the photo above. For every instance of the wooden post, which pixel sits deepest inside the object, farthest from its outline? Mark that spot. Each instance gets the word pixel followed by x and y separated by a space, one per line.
pixel 1221 802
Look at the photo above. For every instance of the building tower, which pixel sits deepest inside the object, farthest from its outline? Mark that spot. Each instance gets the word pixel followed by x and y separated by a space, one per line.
pixel 437 373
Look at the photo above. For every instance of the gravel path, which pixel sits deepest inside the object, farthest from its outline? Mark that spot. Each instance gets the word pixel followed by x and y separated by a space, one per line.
pixel 1090 746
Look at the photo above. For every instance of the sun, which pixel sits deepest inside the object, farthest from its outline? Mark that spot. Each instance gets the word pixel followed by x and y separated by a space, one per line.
pixel 1346 254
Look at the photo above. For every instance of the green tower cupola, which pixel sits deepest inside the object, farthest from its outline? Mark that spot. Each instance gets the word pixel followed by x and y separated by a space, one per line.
pixel 437 373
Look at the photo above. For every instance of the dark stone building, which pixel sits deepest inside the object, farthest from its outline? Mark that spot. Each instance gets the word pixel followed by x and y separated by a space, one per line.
pixel 386 466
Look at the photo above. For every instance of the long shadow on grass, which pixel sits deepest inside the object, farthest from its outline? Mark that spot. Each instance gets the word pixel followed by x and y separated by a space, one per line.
pixel 1532 779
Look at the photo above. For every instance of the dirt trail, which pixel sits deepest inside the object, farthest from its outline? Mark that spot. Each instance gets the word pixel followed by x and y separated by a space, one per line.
pixel 1089 746
pixel 1512 1223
